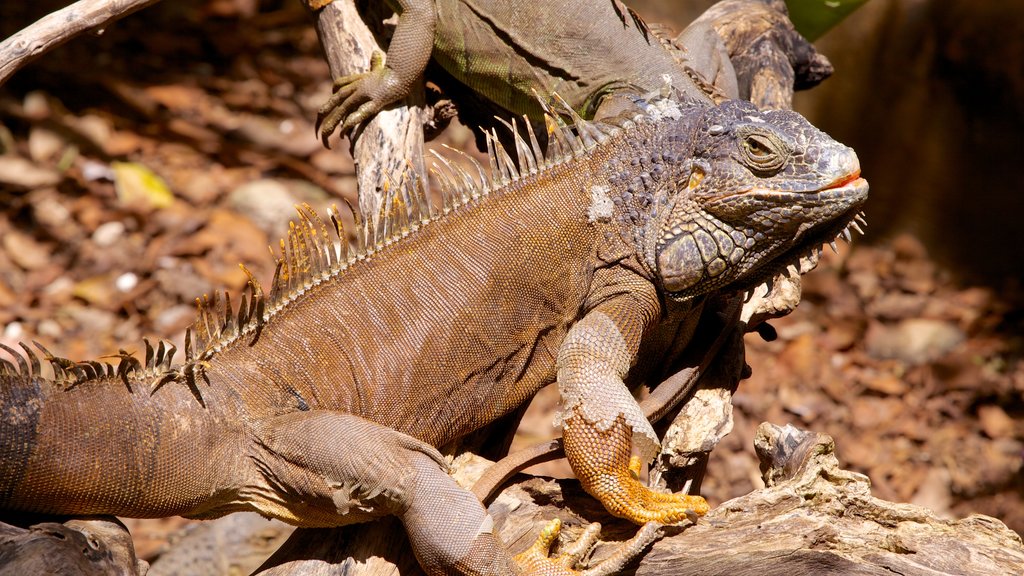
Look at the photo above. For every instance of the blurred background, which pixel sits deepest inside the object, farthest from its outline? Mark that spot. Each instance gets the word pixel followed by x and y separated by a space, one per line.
pixel 139 166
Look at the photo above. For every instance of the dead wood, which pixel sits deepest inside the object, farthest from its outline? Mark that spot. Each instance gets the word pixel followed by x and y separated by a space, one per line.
pixel 391 144
pixel 80 547
pixel 811 518
pixel 58 27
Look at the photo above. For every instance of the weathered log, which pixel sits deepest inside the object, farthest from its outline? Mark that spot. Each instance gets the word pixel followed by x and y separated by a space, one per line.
pixel 815 518
pixel 811 518
pixel 80 547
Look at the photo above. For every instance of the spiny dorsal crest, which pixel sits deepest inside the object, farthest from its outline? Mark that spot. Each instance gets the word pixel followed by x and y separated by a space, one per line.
pixel 69 373
pixel 313 252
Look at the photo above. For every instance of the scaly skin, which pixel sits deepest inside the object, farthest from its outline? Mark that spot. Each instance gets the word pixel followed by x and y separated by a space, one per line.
pixel 593 53
pixel 506 51
pixel 327 406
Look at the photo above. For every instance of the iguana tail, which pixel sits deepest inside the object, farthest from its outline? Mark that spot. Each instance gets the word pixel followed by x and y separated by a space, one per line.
pixel 91 438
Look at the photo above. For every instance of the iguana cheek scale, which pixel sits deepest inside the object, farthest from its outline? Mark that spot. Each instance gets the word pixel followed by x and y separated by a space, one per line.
pixel 324 401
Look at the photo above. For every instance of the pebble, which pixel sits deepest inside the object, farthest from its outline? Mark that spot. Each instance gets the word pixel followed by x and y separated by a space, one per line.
pixel 268 203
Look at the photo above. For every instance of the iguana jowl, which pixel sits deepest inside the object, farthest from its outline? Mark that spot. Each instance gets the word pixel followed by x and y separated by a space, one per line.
pixel 322 403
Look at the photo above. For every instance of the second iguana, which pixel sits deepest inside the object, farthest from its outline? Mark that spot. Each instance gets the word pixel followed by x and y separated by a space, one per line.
pixel 491 57
pixel 501 53
pixel 324 401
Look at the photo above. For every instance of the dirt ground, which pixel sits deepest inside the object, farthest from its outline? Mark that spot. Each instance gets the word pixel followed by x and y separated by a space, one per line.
pixel 137 169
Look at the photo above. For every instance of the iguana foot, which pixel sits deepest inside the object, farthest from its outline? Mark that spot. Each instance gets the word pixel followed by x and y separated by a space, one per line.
pixel 602 463
pixel 358 97
pixel 535 560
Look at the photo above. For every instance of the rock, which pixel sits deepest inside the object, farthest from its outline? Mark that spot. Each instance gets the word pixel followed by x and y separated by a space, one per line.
pixel 44 145
pixel 235 544
pixel 914 340
pixel 268 203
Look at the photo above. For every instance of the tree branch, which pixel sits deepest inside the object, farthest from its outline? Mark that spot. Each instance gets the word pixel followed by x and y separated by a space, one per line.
pixel 391 143
pixel 58 27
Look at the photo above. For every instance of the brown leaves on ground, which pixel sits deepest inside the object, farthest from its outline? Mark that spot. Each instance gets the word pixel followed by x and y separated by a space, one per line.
pixel 916 376
pixel 130 186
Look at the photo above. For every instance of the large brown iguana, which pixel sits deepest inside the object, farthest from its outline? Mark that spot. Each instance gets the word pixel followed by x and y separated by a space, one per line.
pixel 322 403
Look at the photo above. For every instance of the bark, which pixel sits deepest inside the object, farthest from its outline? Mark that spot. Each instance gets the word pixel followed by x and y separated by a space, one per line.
pixel 391 144
pixel 58 27
pixel 811 518
pixel 83 547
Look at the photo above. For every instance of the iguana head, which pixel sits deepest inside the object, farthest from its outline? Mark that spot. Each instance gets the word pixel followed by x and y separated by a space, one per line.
pixel 765 188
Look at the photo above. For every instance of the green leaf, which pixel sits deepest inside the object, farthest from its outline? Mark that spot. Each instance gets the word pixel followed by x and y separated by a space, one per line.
pixel 813 18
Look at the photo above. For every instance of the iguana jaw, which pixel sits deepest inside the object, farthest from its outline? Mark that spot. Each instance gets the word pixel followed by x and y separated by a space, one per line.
pixel 810 236
pixel 851 187
pixel 758 252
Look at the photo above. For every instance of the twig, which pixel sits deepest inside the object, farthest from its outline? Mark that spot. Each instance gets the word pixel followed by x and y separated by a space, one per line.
pixel 58 27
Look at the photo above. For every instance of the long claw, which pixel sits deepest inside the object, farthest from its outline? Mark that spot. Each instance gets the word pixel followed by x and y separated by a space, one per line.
pixel 535 559
pixel 542 545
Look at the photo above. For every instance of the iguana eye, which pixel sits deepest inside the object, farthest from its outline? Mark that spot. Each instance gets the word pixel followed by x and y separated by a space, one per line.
pixel 763 153
pixel 756 147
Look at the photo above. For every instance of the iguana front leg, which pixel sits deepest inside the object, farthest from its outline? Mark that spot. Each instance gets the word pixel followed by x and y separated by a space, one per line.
pixel 601 420
pixel 358 97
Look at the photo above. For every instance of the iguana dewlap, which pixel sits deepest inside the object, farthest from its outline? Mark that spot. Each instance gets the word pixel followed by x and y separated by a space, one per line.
pixel 322 402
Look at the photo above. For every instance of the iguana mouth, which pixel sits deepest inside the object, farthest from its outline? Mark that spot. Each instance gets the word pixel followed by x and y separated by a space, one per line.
pixel 842 181
pixel 843 187
pixel 852 189
pixel 812 236
pixel 846 186
pixel 824 215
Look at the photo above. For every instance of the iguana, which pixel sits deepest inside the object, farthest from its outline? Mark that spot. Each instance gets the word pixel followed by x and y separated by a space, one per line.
pixel 492 56
pixel 502 53
pixel 323 402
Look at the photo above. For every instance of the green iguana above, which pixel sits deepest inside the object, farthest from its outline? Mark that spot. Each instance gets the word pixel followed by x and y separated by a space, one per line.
pixel 324 401
pixel 494 56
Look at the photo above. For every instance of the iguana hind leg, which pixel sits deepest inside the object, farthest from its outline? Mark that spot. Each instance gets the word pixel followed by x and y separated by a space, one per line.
pixel 327 468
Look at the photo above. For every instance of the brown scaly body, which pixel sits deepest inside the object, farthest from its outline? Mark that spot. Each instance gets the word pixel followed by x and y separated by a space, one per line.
pixel 322 402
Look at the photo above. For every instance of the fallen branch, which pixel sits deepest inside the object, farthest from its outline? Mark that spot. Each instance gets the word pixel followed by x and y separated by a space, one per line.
pixel 58 27
pixel 812 518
